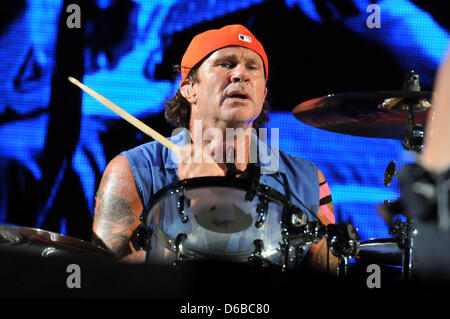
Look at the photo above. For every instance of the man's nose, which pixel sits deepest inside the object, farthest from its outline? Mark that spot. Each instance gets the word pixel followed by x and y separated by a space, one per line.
pixel 239 74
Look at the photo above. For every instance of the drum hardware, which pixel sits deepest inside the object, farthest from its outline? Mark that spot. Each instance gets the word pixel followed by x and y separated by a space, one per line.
pixel 182 204
pixel 299 251
pixel 404 233
pixel 261 210
pixel 342 240
pixel 140 237
pixel 298 235
pixel 343 267
pixel 291 235
pixel 259 246
pixel 298 217
pixel 178 248
pixel 290 253
pixel 284 250
pixel 389 173
pixel 413 140
pixel 297 220
pixel 143 240
pixel 306 234
pixel 257 259
pixel 143 235
pixel 398 230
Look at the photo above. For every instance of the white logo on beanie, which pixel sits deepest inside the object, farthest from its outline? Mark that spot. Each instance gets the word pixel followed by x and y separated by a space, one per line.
pixel 245 38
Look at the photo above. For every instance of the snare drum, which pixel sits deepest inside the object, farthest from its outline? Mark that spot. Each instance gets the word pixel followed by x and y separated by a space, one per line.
pixel 221 218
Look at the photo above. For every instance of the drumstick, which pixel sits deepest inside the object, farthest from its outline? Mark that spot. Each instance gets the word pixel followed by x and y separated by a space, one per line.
pixel 127 116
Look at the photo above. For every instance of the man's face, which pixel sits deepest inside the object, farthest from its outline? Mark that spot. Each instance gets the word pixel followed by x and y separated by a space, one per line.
pixel 231 86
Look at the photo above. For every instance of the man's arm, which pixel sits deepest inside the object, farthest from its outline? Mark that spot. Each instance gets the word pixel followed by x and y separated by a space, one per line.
pixel 319 253
pixel 117 210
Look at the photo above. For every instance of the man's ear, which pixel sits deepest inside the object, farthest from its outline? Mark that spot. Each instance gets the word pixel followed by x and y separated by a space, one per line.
pixel 188 91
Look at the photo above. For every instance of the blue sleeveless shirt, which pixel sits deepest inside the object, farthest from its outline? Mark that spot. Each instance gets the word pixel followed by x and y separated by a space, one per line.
pixel 154 166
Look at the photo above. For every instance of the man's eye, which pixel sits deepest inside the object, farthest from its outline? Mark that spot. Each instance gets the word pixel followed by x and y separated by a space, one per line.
pixel 226 64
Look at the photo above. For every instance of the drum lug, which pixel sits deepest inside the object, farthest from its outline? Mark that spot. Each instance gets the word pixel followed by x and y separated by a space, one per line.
pixel 181 206
pixel 284 257
pixel 261 210
pixel 298 217
pixel 259 247
pixel 178 247
pixel 298 257
pixel 141 240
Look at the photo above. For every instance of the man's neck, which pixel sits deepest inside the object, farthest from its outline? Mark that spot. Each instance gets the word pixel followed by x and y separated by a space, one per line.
pixel 225 142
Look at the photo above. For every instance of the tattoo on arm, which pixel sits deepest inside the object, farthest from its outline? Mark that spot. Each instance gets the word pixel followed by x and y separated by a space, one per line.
pixel 114 221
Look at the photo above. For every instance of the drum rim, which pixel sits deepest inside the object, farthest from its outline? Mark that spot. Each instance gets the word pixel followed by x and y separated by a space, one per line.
pixel 214 181
pixel 29 235
pixel 376 241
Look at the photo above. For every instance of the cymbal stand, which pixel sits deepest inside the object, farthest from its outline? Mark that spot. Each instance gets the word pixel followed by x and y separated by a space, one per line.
pixel 404 232
pixel 413 140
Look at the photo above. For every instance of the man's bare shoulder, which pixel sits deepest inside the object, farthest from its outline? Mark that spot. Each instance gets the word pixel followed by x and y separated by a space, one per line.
pixel 119 166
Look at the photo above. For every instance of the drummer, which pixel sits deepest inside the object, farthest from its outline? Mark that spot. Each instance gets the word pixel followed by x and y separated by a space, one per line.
pixel 224 75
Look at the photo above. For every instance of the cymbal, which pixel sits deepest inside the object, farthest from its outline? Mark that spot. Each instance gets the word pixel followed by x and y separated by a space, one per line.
pixel 381 114
pixel 38 242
